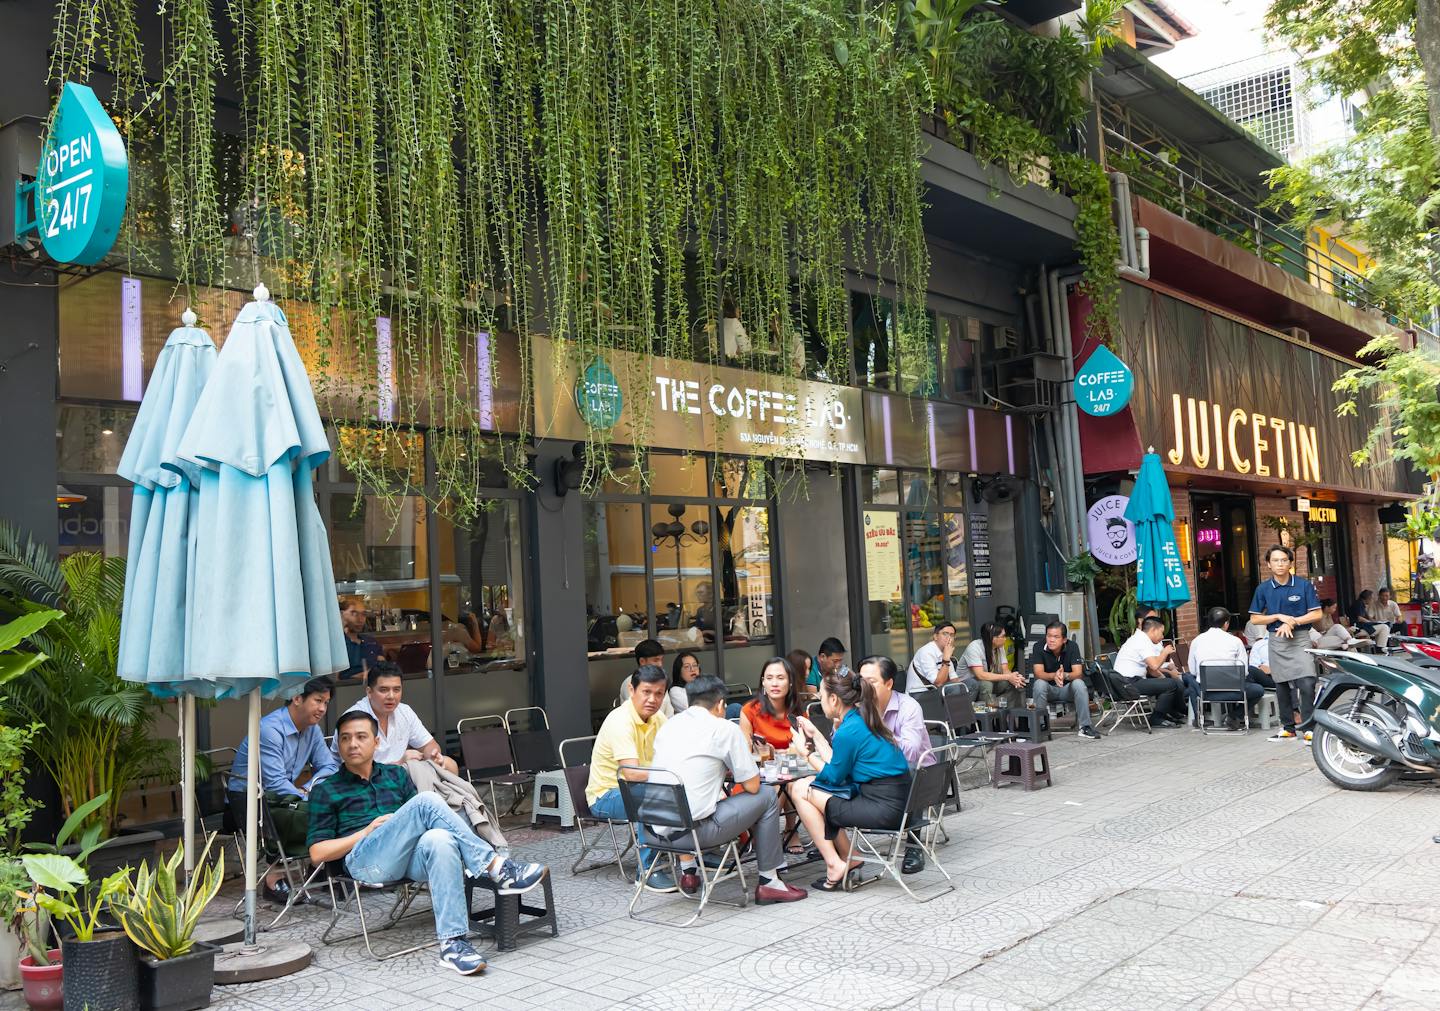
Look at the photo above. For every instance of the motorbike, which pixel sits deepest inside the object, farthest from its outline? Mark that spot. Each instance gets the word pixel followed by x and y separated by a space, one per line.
pixel 1376 718
pixel 1422 650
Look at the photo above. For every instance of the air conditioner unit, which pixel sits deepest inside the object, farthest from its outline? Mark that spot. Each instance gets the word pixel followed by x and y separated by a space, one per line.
pixel 1007 338
pixel 1298 333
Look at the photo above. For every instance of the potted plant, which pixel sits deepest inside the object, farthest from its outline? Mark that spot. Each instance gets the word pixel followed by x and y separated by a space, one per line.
pixel 176 971
pixel 98 737
pixel 98 958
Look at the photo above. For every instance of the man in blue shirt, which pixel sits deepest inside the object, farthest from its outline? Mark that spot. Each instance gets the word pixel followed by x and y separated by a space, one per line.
pixel 1287 605
pixel 290 741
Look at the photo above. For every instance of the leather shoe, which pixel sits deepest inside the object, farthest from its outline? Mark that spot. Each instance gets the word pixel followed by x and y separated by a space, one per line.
pixel 279 893
pixel 914 860
pixel 778 892
pixel 689 880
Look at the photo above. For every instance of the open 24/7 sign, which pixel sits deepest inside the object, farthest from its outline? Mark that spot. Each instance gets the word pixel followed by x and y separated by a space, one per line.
pixel 81 186
pixel 1103 384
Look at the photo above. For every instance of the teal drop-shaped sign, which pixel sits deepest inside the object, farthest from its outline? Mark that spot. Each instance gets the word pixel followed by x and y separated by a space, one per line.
pixel 83 180
pixel 1103 385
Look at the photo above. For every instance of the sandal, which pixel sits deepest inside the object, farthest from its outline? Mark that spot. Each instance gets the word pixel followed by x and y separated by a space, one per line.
pixel 826 885
pixel 796 849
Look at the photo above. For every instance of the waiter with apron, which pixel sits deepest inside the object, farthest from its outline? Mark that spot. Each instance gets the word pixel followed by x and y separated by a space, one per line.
pixel 1286 605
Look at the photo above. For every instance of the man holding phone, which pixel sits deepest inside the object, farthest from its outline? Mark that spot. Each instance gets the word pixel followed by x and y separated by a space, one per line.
pixel 1145 663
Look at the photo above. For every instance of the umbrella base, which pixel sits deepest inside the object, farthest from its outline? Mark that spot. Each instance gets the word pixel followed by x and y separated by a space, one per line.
pixel 220 932
pixel 270 960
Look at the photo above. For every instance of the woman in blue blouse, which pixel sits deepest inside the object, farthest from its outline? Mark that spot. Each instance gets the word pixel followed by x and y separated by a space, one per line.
pixel 862 778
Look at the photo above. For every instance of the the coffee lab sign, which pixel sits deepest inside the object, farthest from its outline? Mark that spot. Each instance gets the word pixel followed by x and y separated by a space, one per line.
pixel 1223 437
pixel 688 405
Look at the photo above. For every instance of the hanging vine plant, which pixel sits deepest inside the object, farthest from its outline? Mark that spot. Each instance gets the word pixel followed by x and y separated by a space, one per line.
pixel 607 172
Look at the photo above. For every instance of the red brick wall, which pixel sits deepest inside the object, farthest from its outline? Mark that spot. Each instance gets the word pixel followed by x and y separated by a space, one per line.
pixel 1265 538
pixel 1187 618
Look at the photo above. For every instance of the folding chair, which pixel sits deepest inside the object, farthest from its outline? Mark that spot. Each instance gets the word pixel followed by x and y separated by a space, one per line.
pixel 922 821
pixel 346 891
pixel 1223 682
pixel 970 743
pixel 271 849
pixel 937 719
pixel 485 747
pixel 532 751
pixel 1125 702
pixel 577 777
pixel 658 803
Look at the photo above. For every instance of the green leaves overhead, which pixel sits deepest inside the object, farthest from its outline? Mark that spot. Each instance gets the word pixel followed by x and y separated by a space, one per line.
pixel 603 170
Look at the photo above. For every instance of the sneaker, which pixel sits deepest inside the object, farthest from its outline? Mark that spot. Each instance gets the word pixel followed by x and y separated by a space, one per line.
pixel 689 880
pixel 1283 735
pixel 513 877
pixel 1087 734
pixel 458 954
pixel 660 881
pixel 1307 737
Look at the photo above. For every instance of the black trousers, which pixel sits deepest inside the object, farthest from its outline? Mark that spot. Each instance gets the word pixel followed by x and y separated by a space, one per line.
pixel 1290 695
pixel 1169 695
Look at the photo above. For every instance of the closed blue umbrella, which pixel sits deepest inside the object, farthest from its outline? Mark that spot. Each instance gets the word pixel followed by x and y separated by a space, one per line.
pixel 160 569
pixel 1159 576
pixel 263 615
pixel 163 514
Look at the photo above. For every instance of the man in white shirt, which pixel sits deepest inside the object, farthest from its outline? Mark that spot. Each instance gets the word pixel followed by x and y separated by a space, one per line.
pixel 700 746
pixel 934 663
pixel 1216 645
pixel 1142 662
pixel 402 736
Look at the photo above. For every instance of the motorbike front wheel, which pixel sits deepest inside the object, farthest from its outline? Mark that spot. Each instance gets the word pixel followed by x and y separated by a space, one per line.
pixel 1347 766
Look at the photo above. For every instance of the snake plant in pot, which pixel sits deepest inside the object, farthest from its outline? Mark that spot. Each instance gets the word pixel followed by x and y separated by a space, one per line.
pixel 176 971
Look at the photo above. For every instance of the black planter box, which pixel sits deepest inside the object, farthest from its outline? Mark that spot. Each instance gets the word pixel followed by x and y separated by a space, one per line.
pixel 123 849
pixel 178 984
pixel 100 975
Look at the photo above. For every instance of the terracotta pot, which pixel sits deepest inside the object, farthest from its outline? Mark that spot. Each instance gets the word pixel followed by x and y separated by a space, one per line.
pixel 43 990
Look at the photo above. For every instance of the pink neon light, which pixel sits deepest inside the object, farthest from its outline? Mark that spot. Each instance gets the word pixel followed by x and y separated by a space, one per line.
pixel 132 348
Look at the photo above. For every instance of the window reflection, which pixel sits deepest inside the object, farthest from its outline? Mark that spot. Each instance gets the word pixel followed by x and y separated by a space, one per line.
pixel 93 518
pixel 481 589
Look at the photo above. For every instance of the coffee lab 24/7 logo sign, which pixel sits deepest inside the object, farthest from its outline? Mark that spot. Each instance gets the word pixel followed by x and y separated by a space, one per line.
pixel 598 396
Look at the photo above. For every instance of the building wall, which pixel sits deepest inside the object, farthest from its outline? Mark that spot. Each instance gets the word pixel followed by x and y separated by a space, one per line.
pixel 1367 549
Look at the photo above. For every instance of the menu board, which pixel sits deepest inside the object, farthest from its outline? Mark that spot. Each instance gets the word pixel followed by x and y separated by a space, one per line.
pixel 980 554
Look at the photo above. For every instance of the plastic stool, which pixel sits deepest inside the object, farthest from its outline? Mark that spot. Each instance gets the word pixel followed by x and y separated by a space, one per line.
pixel 1029 724
pixel 993 721
pixel 1269 709
pixel 552 797
pixel 1015 763
pixel 501 922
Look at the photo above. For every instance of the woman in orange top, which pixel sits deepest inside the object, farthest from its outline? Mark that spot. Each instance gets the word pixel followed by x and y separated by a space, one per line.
pixel 770 717
pixel 770 714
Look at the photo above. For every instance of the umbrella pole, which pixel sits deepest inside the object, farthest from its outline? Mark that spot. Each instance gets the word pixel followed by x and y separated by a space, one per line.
pixel 187 777
pixel 252 814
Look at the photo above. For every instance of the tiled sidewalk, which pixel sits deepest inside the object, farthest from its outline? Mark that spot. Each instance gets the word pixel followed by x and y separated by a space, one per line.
pixel 1172 871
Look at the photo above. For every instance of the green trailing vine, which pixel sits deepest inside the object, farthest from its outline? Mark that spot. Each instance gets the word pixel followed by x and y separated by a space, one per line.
pixel 605 172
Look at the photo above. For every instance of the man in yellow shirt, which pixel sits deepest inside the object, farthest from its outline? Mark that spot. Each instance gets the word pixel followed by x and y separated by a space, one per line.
pixel 627 738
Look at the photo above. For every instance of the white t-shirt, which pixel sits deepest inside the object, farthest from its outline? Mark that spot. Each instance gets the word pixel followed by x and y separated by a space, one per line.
pixel 1130 661
pixel 700 748
pixel 1388 612
pixel 927 662
pixel 974 656
pixel 1216 646
pixel 1260 653
pixel 406 732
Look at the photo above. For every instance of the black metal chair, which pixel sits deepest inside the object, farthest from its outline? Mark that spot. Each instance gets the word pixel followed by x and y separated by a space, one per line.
pixel 815 713
pixel 577 777
pixel 971 743
pixel 1223 682
pixel 532 751
pixel 920 824
pixel 1125 702
pixel 485 747
pixel 299 875
pixel 658 804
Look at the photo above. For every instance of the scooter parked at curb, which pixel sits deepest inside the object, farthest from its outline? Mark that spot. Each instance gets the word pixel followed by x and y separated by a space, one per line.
pixel 1375 718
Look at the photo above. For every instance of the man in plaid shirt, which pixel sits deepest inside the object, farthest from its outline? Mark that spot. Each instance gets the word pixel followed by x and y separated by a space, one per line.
pixel 369 815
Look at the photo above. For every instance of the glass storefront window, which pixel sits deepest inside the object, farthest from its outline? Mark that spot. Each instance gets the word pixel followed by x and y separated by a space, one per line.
pixel 915 561
pixel 689 569
pixel 482 595
pixel 881 360
pixel 380 561
pixel 93 517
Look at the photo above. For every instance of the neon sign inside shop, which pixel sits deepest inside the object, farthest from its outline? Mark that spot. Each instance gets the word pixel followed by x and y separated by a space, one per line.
pixel 1208 535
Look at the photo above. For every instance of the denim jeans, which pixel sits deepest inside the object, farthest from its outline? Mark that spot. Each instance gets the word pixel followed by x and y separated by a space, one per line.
pixel 610 805
pixel 1073 692
pixel 425 841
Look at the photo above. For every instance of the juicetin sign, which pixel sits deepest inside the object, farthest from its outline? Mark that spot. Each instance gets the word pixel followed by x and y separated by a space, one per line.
pixel 79 192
